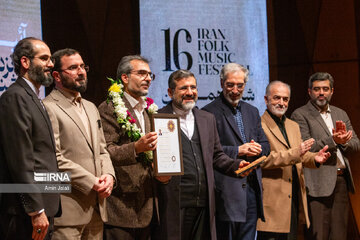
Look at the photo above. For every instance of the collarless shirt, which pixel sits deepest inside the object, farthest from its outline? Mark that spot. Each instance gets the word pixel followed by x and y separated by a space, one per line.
pixel 187 121
pixel 138 107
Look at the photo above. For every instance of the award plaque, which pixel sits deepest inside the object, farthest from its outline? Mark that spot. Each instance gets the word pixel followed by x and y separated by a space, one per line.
pixel 168 153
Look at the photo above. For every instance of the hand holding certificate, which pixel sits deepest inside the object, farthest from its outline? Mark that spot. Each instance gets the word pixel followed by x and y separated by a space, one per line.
pixel 168 153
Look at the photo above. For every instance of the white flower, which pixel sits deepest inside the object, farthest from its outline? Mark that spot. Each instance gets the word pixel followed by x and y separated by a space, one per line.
pixel 149 154
pixel 153 108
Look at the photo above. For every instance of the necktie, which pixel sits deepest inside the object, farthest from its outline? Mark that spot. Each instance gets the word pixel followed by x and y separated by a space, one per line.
pixel 240 124
pixel 42 104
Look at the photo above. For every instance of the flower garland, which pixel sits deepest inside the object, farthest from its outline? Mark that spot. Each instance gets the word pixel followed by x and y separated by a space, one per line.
pixel 123 115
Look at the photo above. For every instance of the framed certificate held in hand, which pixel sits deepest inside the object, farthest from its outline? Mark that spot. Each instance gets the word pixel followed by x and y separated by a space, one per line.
pixel 168 159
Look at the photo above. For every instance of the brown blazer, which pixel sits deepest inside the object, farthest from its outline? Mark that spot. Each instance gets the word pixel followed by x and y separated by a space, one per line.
pixel 277 176
pixel 84 157
pixel 131 203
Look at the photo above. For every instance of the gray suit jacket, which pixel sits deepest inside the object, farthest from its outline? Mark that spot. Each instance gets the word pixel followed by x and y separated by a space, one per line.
pixel 85 157
pixel 321 182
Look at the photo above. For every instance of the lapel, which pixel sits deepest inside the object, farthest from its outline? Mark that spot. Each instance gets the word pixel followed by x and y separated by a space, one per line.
pixel 334 116
pixel 274 129
pixel 203 129
pixel 36 101
pixel 147 121
pixel 229 116
pixel 316 115
pixel 63 103
pixel 93 123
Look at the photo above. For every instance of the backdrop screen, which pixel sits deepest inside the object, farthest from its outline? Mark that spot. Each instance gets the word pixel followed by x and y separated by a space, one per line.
pixel 202 36
pixel 19 19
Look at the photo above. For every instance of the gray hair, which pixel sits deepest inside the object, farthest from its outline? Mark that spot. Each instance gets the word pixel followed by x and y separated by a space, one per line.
pixel 321 76
pixel 233 67
pixel 269 86
pixel 125 67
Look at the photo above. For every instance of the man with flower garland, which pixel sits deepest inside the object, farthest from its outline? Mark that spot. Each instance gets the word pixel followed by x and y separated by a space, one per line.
pixel 187 203
pixel 125 116
pixel 80 150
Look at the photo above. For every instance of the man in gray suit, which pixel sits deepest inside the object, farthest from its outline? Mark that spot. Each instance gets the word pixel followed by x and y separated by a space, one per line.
pixel 328 185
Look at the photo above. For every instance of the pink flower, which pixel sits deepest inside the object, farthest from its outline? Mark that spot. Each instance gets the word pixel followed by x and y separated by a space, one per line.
pixel 149 101
pixel 131 119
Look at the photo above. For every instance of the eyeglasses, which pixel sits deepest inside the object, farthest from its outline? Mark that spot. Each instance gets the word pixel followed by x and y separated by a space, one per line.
pixel 46 59
pixel 229 85
pixel 144 74
pixel 75 68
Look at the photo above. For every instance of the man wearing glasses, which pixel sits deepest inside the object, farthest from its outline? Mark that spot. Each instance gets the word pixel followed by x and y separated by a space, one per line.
pixel 27 145
pixel 133 204
pixel 80 150
pixel 239 200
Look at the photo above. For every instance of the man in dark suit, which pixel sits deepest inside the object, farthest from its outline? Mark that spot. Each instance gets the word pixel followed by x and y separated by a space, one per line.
pixel 187 203
pixel 238 201
pixel 27 145
pixel 327 186
pixel 132 207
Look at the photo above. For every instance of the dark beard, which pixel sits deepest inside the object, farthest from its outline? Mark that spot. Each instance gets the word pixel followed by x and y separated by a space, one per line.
pixel 37 74
pixel 73 86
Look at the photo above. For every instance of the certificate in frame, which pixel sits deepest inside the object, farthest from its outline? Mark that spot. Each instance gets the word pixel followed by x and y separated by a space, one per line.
pixel 168 160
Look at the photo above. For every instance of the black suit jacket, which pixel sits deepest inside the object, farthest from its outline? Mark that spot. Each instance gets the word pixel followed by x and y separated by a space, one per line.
pixel 214 158
pixel 26 146
pixel 230 190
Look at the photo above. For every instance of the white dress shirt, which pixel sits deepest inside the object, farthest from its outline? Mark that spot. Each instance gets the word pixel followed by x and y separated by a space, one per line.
pixel 187 121
pixel 138 107
pixel 326 116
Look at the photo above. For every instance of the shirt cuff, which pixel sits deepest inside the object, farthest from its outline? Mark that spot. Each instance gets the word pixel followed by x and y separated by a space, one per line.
pixel 36 213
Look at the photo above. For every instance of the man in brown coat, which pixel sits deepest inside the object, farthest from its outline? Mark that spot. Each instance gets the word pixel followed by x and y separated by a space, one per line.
pixel 132 205
pixel 283 177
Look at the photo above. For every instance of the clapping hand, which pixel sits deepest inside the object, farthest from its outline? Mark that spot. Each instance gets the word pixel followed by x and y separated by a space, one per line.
pixel 322 155
pixel 340 135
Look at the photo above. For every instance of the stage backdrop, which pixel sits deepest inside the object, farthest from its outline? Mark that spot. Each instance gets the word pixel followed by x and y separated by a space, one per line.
pixel 19 19
pixel 202 36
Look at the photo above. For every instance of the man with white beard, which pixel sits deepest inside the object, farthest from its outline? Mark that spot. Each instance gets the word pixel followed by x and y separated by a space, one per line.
pixel 238 201
pixel 187 202
pixel 283 176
